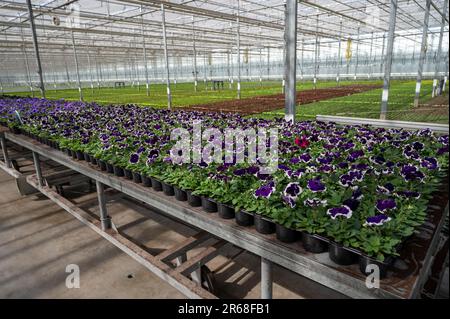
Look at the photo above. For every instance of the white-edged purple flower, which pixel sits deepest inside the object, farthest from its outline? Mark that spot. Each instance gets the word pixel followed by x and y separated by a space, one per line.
pixel 430 162
pixel 305 158
pixel 289 201
pixel 377 220
pixel 292 190
pixel 417 146
pixel 386 189
pixel 408 194
pixel 384 205
pixel 265 191
pixel 411 173
pixel 314 202
pixel 315 185
pixel 134 158
pixel 343 211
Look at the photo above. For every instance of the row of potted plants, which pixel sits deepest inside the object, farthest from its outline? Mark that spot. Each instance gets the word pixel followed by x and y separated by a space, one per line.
pixel 355 189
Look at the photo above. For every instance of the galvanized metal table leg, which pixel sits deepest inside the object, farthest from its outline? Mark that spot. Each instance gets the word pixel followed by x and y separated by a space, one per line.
pixel 37 166
pixel 104 218
pixel 5 151
pixel 180 259
pixel 266 279
pixel 196 276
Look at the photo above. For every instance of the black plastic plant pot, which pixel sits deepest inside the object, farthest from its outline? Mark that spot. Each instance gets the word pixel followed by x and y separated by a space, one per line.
pixel 226 212
pixel 80 155
pixel 168 189
pixel 146 181
pixel 68 152
pixel 157 185
pixel 180 194
pixel 102 165
pixel 128 173
pixel 110 168
pixel 74 154
pixel 194 200
pixel 286 235
pixel 93 160
pixel 118 171
pixel 313 244
pixel 137 178
pixel 341 256
pixel 243 218
pixel 383 267
pixel 15 130
pixel 87 158
pixel 209 205
pixel 263 225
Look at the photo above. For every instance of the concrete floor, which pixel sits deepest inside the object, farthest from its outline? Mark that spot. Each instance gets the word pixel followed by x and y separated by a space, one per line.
pixel 38 240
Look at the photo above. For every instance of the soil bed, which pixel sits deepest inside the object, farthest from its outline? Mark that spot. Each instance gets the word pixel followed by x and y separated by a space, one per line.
pixel 268 103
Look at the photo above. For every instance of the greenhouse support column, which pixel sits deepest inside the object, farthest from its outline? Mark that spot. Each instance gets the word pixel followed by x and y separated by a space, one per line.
pixel 382 54
pixel 439 53
pixel 260 67
pixel 370 57
pixel 37 167
pixel 144 51
pixel 228 69
pixel 315 53
pixel 423 52
pixel 97 73
pixel 301 59
pixel 166 57
pixel 290 60
pixel 266 278
pixel 90 71
pixel 357 56
pixel 339 54
pixel 105 220
pixel 36 48
pixel 238 36
pixel 268 63
pixel 76 66
pixel 205 80
pixel 27 66
pixel 388 59
pixel 195 55
pixel 5 151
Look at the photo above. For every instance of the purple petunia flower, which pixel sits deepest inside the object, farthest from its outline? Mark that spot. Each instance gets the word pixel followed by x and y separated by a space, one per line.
pixel 134 158
pixel 306 158
pixel 377 220
pixel 384 205
pixel 442 150
pixel 253 170
pixel 408 194
pixel 355 155
pixel 240 172
pixel 314 202
pixel 386 189
pixel 344 211
pixel 316 185
pixel 411 173
pixel 265 191
pixel 353 204
pixel 292 190
pixel 289 201
pixel 430 162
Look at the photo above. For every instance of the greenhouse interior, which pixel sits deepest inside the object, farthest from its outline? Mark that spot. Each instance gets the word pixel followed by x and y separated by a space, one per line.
pixel 242 149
